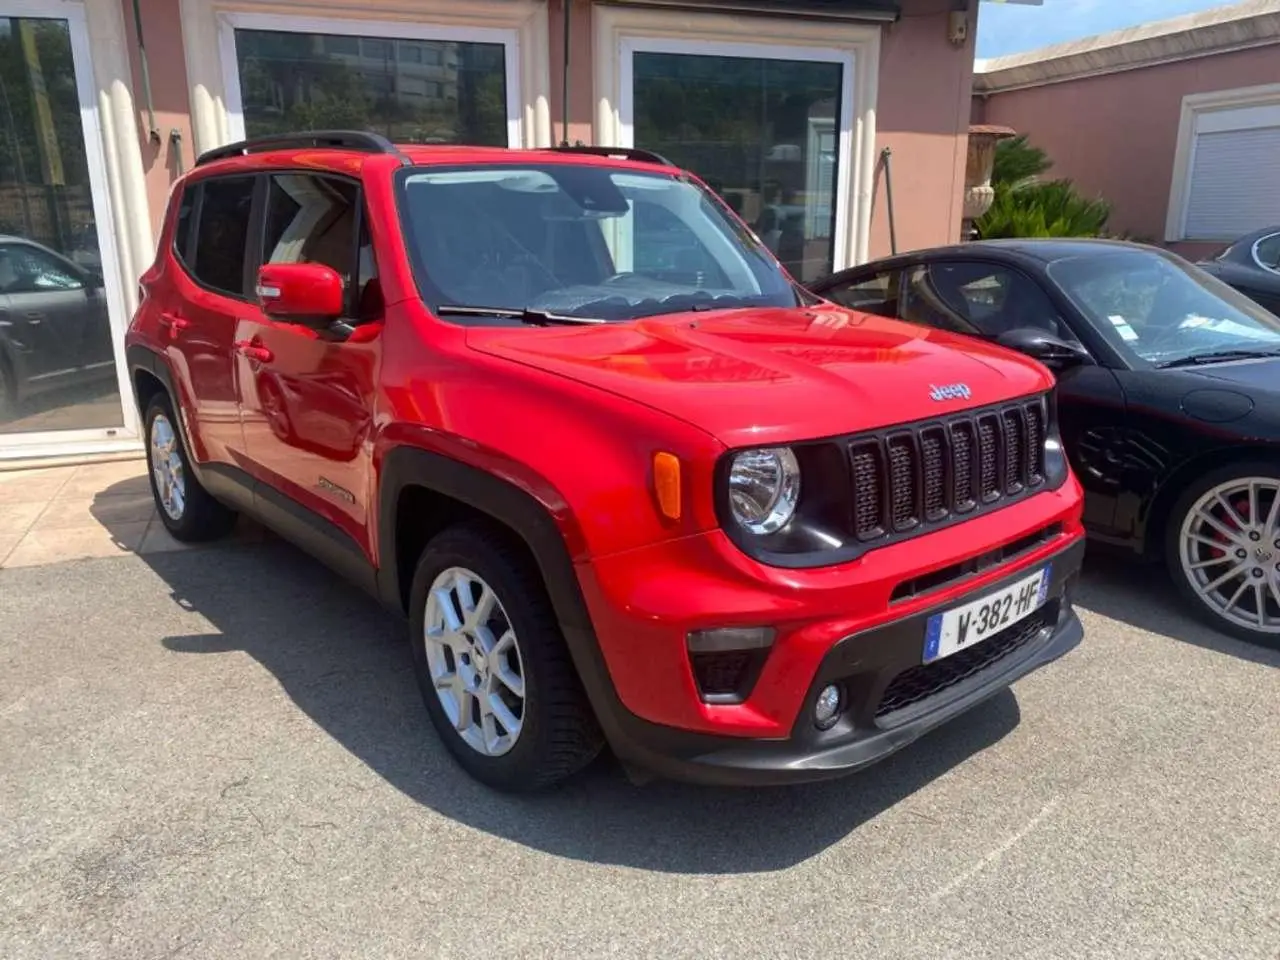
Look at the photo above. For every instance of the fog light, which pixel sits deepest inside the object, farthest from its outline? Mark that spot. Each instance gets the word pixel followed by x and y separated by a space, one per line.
pixel 827 710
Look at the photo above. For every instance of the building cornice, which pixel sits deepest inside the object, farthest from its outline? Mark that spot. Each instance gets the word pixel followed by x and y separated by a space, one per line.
pixel 1243 26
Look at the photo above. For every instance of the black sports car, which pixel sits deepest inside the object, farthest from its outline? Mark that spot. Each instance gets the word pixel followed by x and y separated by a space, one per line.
pixel 1252 266
pixel 1168 396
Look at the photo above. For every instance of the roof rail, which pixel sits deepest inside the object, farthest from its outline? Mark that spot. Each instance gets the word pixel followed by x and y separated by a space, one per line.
pixel 626 153
pixel 358 140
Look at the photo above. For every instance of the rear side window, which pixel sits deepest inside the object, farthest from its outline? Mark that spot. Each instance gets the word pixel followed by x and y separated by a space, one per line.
pixel 222 234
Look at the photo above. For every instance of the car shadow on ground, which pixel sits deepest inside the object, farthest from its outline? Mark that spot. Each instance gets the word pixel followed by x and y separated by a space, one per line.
pixel 1141 595
pixel 345 663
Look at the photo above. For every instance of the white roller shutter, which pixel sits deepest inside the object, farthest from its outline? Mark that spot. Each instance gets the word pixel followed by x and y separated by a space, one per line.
pixel 1234 183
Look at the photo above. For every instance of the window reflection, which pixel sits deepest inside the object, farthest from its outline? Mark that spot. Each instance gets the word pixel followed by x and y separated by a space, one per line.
pixel 57 360
pixel 410 91
pixel 762 133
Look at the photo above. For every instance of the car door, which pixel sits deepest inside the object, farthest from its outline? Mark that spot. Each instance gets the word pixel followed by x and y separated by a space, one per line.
pixel 201 308
pixel 308 399
pixel 987 298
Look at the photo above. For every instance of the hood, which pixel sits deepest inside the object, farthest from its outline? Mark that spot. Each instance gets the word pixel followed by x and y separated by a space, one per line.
pixel 1251 377
pixel 764 376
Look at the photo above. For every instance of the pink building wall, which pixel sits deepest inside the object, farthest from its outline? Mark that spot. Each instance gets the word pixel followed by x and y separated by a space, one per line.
pixel 166 62
pixel 923 118
pixel 1116 135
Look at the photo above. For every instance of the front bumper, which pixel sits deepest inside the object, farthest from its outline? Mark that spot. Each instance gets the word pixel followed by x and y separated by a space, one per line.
pixel 891 698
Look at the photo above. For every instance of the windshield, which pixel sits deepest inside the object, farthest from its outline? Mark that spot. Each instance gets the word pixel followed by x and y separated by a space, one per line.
pixel 581 241
pixel 1163 310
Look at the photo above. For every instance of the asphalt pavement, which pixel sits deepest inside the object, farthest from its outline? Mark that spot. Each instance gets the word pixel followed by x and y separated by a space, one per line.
pixel 222 754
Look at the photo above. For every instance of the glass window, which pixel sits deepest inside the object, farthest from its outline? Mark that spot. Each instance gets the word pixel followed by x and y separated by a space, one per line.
pixel 877 294
pixel 979 298
pixel 222 234
pixel 1267 252
pixel 312 219
pixel 1163 310
pixel 27 269
pixel 582 240
pixel 762 133
pixel 302 81
pixel 182 233
pixel 58 359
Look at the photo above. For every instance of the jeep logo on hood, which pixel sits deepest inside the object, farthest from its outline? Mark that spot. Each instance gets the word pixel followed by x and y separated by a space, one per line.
pixel 951 391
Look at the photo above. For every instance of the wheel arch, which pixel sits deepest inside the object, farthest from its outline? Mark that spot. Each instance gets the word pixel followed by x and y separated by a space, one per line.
pixel 413 478
pixel 418 480
pixel 1186 474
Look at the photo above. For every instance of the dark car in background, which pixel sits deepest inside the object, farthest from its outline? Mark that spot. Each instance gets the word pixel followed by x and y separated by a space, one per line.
pixel 53 324
pixel 1168 396
pixel 1252 266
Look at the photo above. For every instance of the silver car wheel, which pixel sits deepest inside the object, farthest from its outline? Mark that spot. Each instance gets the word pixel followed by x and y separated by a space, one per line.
pixel 1229 550
pixel 167 468
pixel 473 656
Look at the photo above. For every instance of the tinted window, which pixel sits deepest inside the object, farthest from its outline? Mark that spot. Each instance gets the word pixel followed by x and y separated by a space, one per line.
pixel 978 298
pixel 588 241
pixel 1267 251
pixel 312 219
pixel 1163 309
pixel 877 294
pixel 222 235
pixel 182 234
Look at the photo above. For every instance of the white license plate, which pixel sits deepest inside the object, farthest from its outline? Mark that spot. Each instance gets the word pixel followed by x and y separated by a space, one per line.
pixel 958 629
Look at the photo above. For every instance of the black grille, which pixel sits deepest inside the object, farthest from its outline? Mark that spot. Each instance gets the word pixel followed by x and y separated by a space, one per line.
pixel 927 680
pixel 927 474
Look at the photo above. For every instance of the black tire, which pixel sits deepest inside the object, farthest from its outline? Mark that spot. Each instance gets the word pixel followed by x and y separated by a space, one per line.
pixel 559 734
pixel 1261 555
pixel 201 518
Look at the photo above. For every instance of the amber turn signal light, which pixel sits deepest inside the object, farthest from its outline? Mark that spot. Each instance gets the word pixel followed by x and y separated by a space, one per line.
pixel 666 484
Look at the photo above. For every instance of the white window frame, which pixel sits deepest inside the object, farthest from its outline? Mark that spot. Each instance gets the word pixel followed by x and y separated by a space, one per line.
pixel 1197 117
pixel 97 139
pixel 519 25
pixel 621 32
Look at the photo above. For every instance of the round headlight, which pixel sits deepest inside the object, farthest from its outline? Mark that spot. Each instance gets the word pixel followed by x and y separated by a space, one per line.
pixel 764 488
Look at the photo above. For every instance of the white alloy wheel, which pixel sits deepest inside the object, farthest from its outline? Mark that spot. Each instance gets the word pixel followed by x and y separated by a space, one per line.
pixel 473 657
pixel 166 467
pixel 1229 552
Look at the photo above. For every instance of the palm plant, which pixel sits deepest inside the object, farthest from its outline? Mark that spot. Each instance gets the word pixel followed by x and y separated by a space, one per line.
pixel 1028 206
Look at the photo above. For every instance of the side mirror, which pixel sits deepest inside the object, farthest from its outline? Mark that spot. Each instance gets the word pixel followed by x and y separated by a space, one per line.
pixel 1054 352
pixel 306 293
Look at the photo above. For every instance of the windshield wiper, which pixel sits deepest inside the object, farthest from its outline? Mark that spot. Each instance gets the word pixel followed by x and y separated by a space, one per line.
pixel 1219 356
pixel 538 318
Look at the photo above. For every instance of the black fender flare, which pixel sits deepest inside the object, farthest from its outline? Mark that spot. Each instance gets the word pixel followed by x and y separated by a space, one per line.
pixel 529 519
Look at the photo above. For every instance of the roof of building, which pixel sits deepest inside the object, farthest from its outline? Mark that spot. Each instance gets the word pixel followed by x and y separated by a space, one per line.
pixel 1241 26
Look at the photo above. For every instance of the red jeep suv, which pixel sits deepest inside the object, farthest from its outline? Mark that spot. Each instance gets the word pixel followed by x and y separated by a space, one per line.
pixel 629 483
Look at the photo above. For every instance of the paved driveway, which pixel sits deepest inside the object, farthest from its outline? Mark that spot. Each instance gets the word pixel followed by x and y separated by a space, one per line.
pixel 221 753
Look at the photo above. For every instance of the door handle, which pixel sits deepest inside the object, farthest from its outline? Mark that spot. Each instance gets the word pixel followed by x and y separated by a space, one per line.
pixel 34 319
pixel 175 325
pixel 254 352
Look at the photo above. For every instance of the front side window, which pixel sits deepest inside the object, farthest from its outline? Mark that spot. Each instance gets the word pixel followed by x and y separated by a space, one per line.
pixel 1161 310
pixel 222 234
pixel 313 219
pixel 877 294
pixel 26 269
pixel 585 241
pixel 986 299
